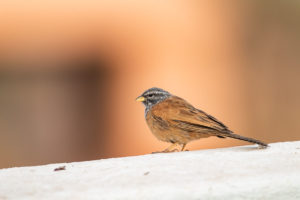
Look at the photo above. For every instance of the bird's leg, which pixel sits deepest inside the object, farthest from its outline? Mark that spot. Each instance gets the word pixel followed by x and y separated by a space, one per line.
pixel 170 149
pixel 182 146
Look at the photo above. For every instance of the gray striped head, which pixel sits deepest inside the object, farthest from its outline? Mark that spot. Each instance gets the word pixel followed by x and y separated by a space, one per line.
pixel 153 96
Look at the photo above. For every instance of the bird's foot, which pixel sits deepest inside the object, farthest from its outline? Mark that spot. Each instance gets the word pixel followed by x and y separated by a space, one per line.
pixel 171 148
pixel 166 151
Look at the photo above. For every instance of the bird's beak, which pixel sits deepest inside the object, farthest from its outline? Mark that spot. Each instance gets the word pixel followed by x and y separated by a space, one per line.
pixel 140 99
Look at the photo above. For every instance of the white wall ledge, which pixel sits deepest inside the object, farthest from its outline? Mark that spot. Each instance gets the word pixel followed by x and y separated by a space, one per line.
pixel 231 173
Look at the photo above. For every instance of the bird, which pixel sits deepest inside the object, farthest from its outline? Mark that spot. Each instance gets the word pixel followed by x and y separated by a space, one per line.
pixel 172 119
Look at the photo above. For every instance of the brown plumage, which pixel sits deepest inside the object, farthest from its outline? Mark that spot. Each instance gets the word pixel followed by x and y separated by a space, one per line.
pixel 172 119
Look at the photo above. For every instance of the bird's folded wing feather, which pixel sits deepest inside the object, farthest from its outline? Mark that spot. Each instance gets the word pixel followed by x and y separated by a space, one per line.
pixel 180 114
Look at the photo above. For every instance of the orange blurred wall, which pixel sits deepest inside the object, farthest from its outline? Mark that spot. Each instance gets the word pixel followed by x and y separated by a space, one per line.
pixel 212 53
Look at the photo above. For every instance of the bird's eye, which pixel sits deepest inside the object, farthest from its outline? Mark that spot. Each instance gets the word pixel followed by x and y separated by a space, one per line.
pixel 150 95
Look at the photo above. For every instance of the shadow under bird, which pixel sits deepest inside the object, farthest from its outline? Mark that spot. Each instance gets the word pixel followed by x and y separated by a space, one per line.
pixel 174 120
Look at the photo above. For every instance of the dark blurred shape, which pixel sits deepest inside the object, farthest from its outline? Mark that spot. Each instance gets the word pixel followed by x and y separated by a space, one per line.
pixel 60 168
pixel 53 114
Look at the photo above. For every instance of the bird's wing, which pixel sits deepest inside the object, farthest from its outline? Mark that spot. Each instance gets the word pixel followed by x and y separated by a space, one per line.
pixel 180 114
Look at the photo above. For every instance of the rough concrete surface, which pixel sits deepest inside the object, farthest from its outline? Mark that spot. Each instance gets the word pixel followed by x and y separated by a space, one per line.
pixel 244 172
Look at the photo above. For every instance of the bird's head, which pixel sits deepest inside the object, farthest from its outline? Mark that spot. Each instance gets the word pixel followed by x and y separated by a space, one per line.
pixel 153 96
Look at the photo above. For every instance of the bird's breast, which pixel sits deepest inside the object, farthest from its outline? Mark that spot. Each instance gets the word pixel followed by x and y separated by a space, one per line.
pixel 158 126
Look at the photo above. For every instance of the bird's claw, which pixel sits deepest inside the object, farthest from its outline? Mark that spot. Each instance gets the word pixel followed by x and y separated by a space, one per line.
pixel 166 151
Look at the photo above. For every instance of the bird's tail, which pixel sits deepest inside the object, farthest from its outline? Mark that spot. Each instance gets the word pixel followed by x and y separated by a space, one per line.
pixel 239 137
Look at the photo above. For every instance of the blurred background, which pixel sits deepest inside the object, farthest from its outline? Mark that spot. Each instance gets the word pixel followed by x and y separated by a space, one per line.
pixel 70 72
